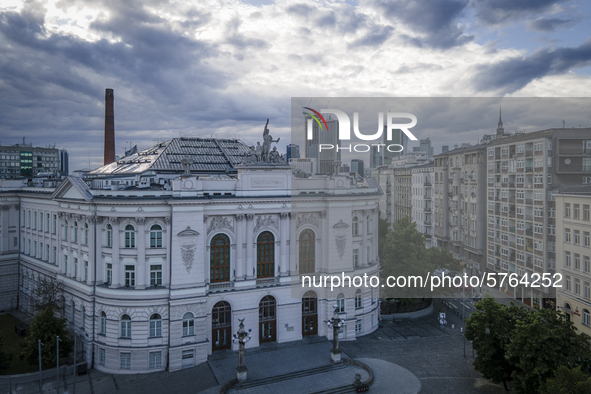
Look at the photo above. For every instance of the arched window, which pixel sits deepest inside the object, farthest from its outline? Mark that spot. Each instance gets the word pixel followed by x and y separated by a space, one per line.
pixel 307 252
pixel 109 236
pixel 129 236
pixel 219 258
pixel 265 255
pixel 267 308
pixel 125 326
pixel 355 226
pixel 586 317
pixel 358 302
pixel 155 325
pixel 75 232
pixel 103 324
pixel 221 322
pixel 85 234
pixel 156 236
pixel 188 324
pixel 341 303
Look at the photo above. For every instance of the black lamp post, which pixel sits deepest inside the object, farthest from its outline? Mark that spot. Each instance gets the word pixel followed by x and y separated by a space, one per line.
pixel 241 338
pixel 336 323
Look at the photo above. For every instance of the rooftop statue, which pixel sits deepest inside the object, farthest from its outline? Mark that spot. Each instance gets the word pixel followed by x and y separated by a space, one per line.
pixel 263 153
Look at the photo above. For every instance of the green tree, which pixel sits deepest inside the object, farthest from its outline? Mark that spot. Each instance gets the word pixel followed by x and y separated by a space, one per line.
pixel 490 329
pixel 49 293
pixel 46 327
pixel 568 381
pixel 383 229
pixel 542 342
pixel 5 358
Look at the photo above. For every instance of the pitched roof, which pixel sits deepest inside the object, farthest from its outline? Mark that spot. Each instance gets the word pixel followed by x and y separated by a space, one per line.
pixel 209 155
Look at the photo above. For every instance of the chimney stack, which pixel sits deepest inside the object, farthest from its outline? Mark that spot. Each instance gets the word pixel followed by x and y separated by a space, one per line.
pixel 109 155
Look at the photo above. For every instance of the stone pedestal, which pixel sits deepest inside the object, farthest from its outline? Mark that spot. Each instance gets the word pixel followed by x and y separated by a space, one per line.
pixel 241 373
pixel 335 356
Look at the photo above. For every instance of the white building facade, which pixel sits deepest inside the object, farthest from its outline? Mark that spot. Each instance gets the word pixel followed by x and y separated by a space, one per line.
pixel 422 204
pixel 157 278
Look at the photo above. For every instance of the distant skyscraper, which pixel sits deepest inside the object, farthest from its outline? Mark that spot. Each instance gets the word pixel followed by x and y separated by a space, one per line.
pixel 64 162
pixel 445 148
pixel 375 156
pixel 398 137
pixel 357 166
pixel 425 146
pixel 326 159
pixel 293 152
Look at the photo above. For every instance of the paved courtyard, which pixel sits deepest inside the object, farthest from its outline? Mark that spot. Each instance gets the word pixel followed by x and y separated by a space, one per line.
pixel 406 355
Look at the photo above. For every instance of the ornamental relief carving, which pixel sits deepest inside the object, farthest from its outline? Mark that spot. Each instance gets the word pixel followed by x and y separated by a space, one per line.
pixel 188 242
pixel 341 230
pixel 263 221
pixel 218 223
pixel 308 218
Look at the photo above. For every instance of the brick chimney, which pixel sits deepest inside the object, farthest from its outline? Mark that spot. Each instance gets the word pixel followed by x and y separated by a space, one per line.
pixel 109 155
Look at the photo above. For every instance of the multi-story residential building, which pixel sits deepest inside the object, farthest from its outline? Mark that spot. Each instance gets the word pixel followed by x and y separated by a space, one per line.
pixel 25 160
pixel 398 137
pixel 422 204
pixel 459 186
pixel 385 178
pixel 158 265
pixel 402 193
pixel 523 170
pixel 573 251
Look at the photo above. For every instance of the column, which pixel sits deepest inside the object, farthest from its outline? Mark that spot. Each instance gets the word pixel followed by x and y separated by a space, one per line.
pixel 91 263
pixel 58 236
pixel 239 261
pixel 250 251
pixel 141 266
pixel 285 235
pixel 117 269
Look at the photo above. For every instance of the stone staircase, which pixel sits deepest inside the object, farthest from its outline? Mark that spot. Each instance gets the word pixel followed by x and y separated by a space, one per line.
pixel 289 376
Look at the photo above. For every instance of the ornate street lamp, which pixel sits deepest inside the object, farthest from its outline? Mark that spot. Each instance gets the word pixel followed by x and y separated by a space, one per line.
pixel 336 323
pixel 241 338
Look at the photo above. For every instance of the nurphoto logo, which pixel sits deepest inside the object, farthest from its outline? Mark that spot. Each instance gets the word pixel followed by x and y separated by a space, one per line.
pixel 345 129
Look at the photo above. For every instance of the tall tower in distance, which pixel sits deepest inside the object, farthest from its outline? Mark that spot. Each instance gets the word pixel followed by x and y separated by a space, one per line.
pixel 500 129
pixel 109 154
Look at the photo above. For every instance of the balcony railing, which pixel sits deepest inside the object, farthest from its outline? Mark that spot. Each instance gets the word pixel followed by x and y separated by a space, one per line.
pixel 223 286
pixel 266 282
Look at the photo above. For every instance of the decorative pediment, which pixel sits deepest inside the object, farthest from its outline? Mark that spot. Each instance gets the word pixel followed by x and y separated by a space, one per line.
pixel 188 232
pixel 308 218
pixel 72 188
pixel 218 223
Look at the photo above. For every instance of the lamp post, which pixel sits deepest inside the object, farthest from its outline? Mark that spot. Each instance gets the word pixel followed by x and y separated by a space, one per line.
pixel 335 323
pixel 40 378
pixel 241 338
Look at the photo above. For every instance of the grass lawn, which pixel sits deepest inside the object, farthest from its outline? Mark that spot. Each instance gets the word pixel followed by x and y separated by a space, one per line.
pixel 12 346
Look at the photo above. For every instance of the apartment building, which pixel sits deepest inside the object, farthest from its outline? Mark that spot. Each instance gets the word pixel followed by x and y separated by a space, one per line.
pixel 522 172
pixel 25 160
pixel 402 193
pixel 422 204
pixel 573 251
pixel 459 214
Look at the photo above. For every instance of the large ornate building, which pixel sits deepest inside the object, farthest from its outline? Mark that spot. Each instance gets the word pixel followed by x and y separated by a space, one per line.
pixel 163 251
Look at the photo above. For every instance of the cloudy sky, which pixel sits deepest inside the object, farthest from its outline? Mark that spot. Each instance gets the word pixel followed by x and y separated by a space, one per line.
pixel 195 68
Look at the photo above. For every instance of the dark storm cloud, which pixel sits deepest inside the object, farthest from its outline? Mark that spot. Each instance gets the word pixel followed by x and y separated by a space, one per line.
pixel 436 21
pixel 548 25
pixel 498 11
pixel 373 38
pixel 513 74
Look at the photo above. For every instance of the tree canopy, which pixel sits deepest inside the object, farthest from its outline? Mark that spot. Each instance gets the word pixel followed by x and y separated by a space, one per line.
pixel 526 346
pixel 46 327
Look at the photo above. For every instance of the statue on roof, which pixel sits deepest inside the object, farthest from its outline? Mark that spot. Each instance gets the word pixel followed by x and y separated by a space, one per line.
pixel 267 140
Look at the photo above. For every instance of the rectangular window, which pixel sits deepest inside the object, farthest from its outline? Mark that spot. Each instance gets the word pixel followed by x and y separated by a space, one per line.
pixel 85 271
pixel 155 328
pixel 109 274
pixel 54 226
pixel 576 211
pixel 567 283
pixel 577 237
pixel 577 286
pixel 75 267
pixel 567 259
pixel 129 275
pixel 586 264
pixel 567 235
pixel 577 261
pixel 586 293
pixel 125 360
pixel 156 275
pixel 586 239
pixel 586 212
pixel 102 357
pixel 155 360
pixel 54 255
pixel 358 326
pixel 355 257
pixel 567 210
pixel 47 223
